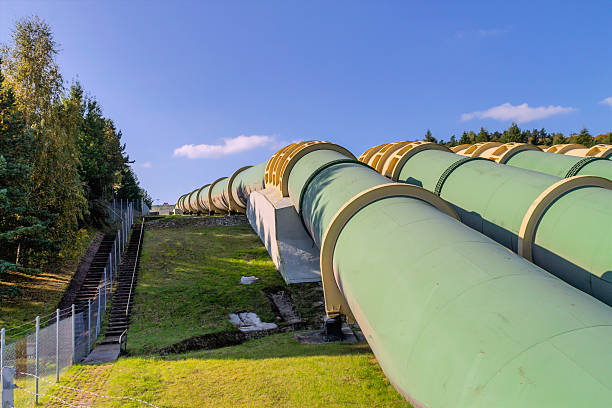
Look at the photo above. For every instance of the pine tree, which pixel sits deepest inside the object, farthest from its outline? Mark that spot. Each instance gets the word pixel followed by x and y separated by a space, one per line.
pixel 482 136
pixel 429 138
pixel 21 227
pixel 513 134
pixel 584 138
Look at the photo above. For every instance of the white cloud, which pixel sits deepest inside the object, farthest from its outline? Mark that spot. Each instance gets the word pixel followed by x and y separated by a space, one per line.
pixel 607 101
pixel 146 165
pixel 229 146
pixel 517 113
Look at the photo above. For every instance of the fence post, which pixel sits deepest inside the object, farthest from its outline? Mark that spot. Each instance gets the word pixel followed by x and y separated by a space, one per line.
pixel 2 340
pixel 7 397
pixel 57 347
pixel 88 325
pixel 105 282
pixel 73 334
pixel 98 314
pixel 110 266
pixel 37 352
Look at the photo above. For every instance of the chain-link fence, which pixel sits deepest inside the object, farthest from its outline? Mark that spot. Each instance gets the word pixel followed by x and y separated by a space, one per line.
pixel 39 351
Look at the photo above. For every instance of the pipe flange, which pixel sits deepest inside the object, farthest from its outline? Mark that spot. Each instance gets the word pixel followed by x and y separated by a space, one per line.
pixel 188 201
pixel 564 148
pixel 271 164
pixel 292 157
pixel 367 155
pixel 335 302
pixel 600 150
pixel 201 204
pixel 179 202
pixel 396 161
pixel 573 171
pixel 526 235
pixel 450 169
pixel 315 174
pixel 211 206
pixel 502 154
pixel 460 148
pixel 233 204
pixel 477 148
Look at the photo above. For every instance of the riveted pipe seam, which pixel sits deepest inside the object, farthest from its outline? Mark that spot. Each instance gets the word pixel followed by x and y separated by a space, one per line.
pixel 233 204
pixel 581 164
pixel 438 190
pixel 316 173
pixel 538 208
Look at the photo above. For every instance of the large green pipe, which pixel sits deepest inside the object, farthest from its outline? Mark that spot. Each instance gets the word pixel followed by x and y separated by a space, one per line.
pixel 454 319
pixel 218 196
pixel 572 239
pixel 247 181
pixel 560 165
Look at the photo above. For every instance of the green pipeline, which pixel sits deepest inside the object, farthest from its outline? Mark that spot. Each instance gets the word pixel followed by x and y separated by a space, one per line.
pixel 218 196
pixel 572 239
pixel 561 165
pixel 247 181
pixel 454 318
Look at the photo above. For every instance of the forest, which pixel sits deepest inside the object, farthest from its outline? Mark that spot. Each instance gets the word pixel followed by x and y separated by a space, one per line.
pixel 61 160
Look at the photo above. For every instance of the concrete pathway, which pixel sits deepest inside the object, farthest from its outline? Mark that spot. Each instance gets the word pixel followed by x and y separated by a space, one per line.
pixel 104 353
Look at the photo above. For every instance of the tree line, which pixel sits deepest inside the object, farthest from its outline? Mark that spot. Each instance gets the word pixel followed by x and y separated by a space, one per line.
pixel 61 159
pixel 539 137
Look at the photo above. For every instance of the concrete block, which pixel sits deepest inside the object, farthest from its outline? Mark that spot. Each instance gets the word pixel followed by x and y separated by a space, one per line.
pixel 278 226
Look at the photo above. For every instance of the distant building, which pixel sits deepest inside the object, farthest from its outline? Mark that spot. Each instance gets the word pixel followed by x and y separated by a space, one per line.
pixel 164 209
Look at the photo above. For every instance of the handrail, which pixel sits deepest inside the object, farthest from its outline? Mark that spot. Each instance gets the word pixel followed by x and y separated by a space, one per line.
pixel 127 307
pixel 123 339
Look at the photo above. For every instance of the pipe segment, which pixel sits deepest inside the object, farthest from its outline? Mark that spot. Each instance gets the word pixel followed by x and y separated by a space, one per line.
pixel 216 200
pixel 570 237
pixel 235 205
pixel 454 319
pixel 189 202
pixel 599 150
pixel 448 329
pixel 560 165
pixel 202 199
pixel 526 156
pixel 179 202
pixel 245 182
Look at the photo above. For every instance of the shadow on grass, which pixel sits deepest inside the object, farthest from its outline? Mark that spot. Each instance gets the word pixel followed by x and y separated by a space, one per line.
pixel 272 347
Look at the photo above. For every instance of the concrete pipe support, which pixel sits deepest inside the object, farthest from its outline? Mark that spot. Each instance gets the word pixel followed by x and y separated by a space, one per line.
pixel 561 225
pixel 454 319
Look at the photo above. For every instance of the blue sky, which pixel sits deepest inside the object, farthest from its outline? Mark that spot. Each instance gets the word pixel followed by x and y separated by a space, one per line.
pixel 238 79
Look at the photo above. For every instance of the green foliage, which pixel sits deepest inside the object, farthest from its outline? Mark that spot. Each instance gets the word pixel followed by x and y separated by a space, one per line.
pixel 482 136
pixel 64 158
pixel 429 138
pixel 584 138
pixel 22 228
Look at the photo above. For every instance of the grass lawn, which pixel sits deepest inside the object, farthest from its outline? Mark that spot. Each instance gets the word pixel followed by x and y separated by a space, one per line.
pixel 40 293
pixel 274 371
pixel 188 283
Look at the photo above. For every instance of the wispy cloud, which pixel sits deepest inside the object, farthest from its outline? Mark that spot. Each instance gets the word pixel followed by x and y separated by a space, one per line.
pixel 146 165
pixel 517 113
pixel 229 146
pixel 607 101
